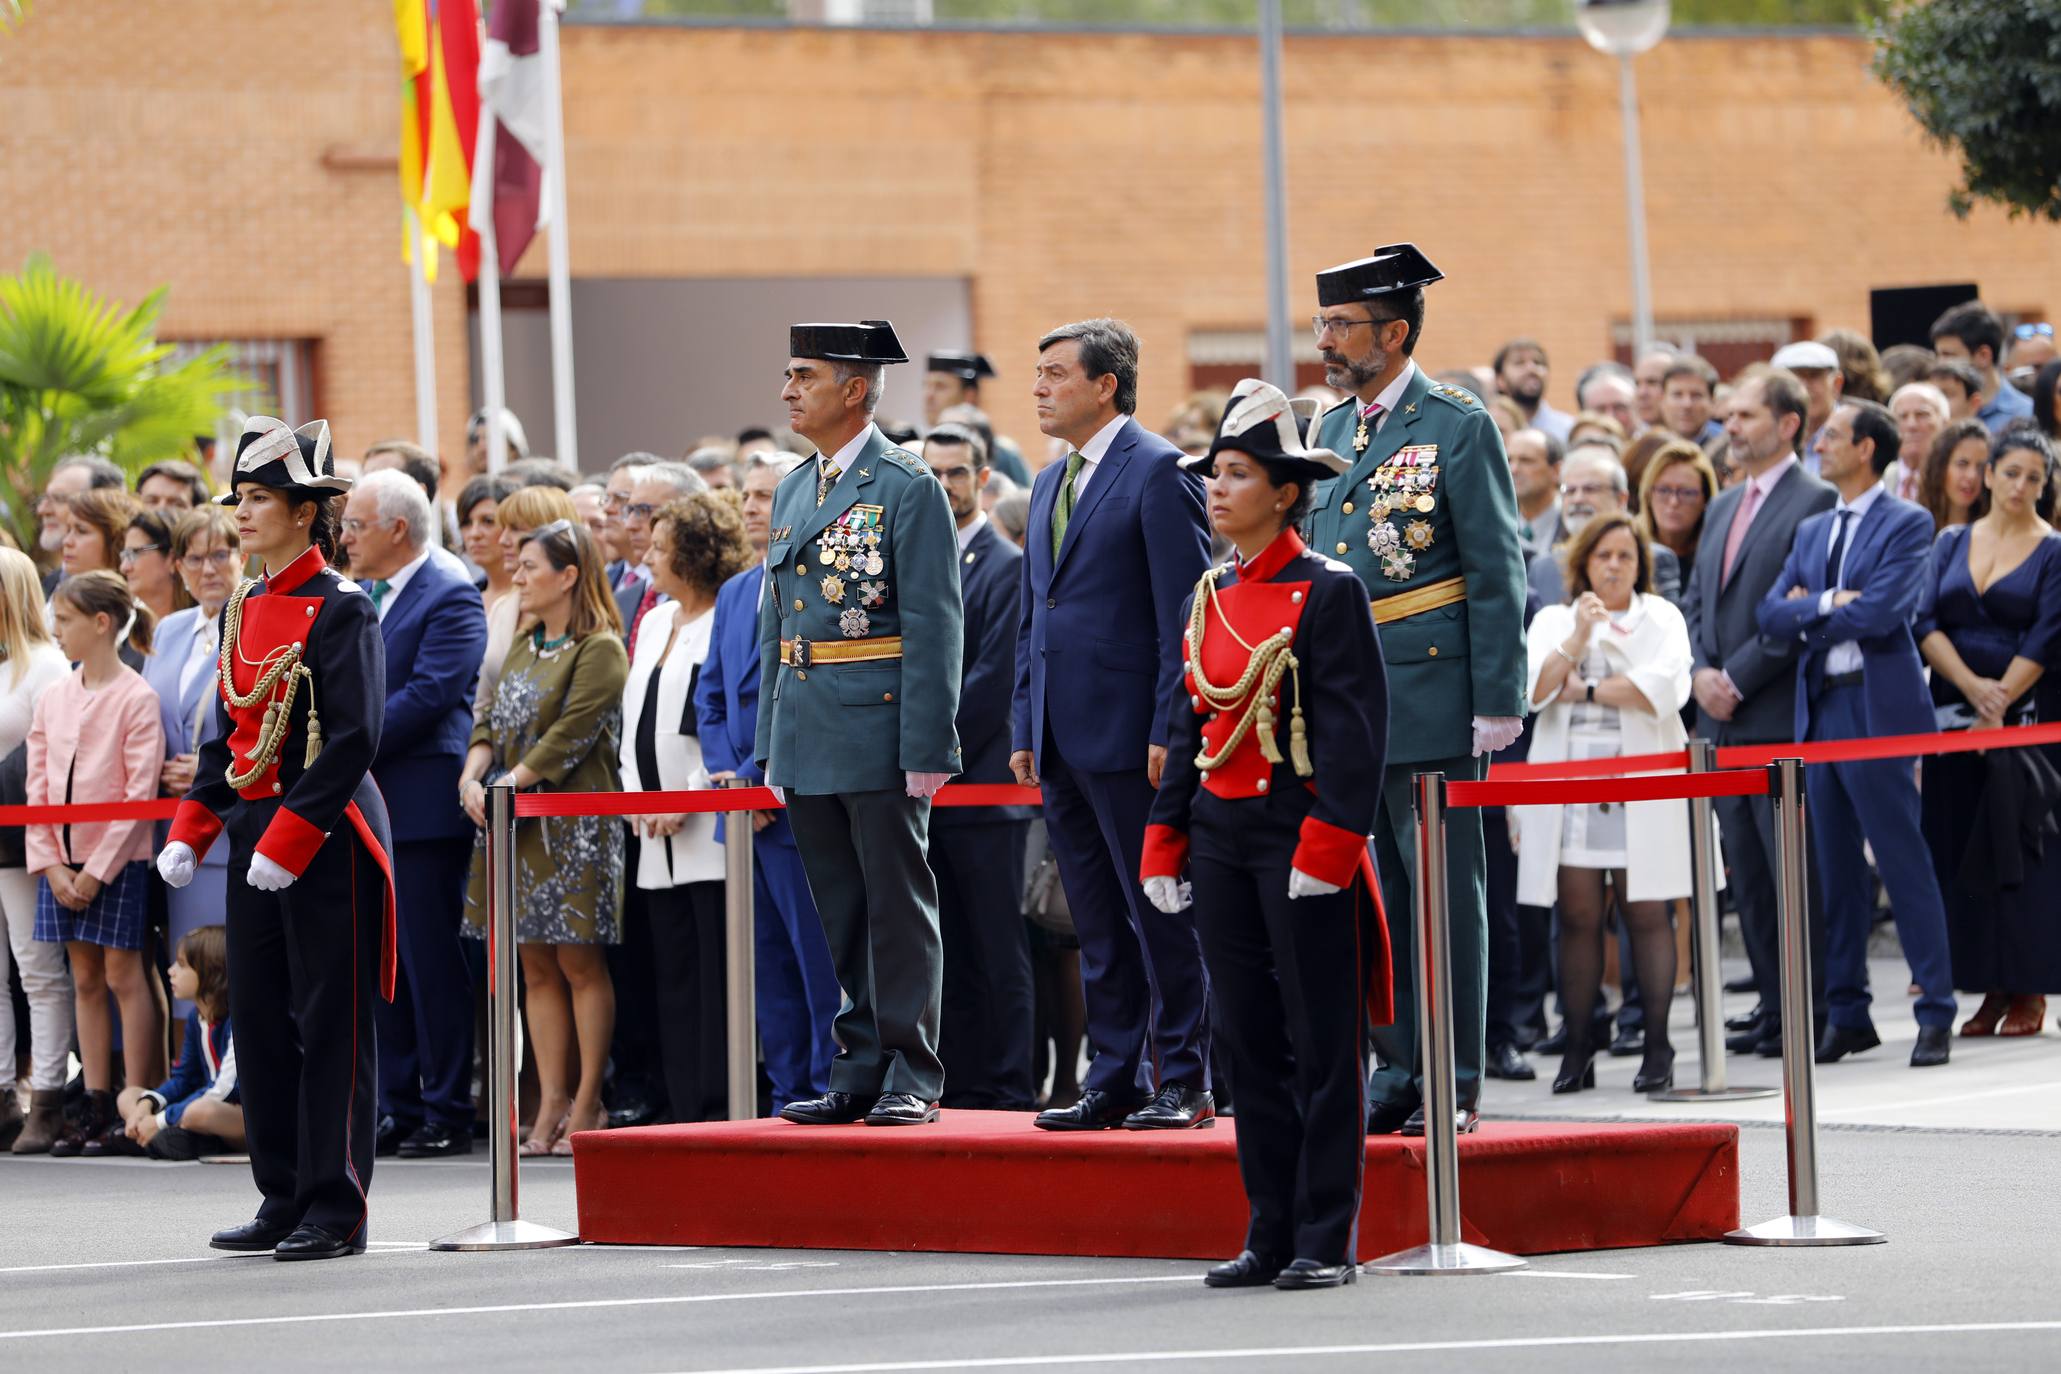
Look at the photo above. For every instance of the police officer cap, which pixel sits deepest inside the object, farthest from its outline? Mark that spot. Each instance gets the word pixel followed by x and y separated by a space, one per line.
pixel 868 341
pixel 1262 423
pixel 295 461
pixel 967 367
pixel 1395 267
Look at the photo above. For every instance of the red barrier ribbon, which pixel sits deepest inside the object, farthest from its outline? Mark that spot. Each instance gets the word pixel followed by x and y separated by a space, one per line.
pixel 81 813
pixel 1745 782
pixel 1759 755
pixel 735 799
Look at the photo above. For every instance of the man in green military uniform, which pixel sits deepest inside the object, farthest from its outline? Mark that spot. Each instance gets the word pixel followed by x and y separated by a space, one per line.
pixel 1428 518
pixel 860 638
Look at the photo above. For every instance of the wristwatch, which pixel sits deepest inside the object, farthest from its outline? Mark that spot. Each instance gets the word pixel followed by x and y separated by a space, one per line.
pixel 1591 694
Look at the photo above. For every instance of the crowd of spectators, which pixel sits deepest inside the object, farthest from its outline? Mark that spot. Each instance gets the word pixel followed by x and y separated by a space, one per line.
pixel 1700 558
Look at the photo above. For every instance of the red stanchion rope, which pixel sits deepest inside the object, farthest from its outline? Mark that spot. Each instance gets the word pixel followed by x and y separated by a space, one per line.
pixel 1746 782
pixel 1759 755
pixel 82 813
pixel 736 799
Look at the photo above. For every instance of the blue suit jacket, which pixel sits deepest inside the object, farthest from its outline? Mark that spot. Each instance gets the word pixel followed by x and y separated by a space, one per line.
pixel 1885 562
pixel 435 634
pixel 990 583
pixel 1098 646
pixel 726 695
pixel 171 644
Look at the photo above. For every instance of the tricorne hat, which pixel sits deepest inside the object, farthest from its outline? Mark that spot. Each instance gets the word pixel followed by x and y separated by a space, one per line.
pixel 868 341
pixel 967 367
pixel 1263 424
pixel 1394 267
pixel 295 461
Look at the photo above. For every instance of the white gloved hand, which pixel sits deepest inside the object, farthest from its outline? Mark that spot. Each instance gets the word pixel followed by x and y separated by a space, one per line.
pixel 924 786
pixel 1301 884
pixel 1496 732
pixel 1168 894
pixel 175 864
pixel 267 876
pixel 779 793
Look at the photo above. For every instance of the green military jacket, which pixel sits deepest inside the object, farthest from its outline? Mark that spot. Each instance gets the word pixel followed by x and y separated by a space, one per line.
pixel 841 726
pixel 1429 498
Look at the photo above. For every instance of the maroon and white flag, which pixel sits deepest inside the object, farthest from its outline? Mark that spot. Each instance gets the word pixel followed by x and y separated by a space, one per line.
pixel 512 90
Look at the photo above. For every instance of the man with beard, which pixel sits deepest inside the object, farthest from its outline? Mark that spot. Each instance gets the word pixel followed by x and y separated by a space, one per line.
pixel 1427 516
pixel 74 476
pixel 1521 374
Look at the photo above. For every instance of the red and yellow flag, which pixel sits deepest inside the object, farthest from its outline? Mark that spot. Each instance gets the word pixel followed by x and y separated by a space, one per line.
pixel 439 45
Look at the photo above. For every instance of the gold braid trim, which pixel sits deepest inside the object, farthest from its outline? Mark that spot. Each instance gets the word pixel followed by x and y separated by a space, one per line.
pixel 1267 663
pixel 282 663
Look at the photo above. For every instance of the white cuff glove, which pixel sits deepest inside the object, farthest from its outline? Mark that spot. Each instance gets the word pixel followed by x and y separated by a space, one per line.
pixel 779 793
pixel 1496 732
pixel 267 876
pixel 1301 884
pixel 924 786
pixel 175 864
pixel 1168 894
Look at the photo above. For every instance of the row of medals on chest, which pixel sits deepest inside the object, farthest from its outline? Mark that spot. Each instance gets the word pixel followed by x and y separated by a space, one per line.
pixel 1404 483
pixel 850 549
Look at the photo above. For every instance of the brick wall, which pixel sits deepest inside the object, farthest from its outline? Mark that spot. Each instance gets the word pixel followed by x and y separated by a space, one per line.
pixel 239 150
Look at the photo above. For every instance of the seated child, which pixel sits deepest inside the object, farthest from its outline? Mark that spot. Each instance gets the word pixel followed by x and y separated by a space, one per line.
pixel 195 1111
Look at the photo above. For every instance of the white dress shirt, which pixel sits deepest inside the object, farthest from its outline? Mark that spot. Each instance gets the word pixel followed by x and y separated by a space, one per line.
pixel 1391 395
pixel 843 459
pixel 398 581
pixel 1845 656
pixel 1092 452
pixel 971 528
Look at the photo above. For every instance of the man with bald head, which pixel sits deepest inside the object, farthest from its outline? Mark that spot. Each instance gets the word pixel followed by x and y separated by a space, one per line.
pixel 1921 411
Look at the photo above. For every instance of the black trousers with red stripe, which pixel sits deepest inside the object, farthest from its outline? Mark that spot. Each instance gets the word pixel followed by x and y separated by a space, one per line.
pixel 1288 990
pixel 303 976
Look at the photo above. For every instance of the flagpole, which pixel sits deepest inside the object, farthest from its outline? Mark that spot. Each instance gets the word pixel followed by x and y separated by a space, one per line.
pixel 425 333
pixel 560 258
pixel 493 379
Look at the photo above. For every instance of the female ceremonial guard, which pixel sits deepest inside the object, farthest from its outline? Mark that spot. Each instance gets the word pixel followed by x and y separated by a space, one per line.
pixel 301 696
pixel 1270 792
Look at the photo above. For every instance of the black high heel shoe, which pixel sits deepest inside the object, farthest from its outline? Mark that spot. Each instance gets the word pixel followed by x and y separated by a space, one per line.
pixel 1571 1079
pixel 1655 1079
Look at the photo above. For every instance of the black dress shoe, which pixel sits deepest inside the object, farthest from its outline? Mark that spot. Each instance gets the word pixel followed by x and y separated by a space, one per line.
pixel 312 1242
pixel 1386 1118
pixel 1574 1077
pixel 1305 1273
pixel 435 1139
pixel 1656 1075
pixel 831 1109
pixel 388 1135
pixel 1096 1111
pixel 1749 1041
pixel 1176 1107
pixel 252 1235
pixel 1737 985
pixel 1746 1020
pixel 901 1109
pixel 1931 1048
pixel 1840 1041
pixel 1247 1271
pixel 1505 1062
pixel 1465 1121
pixel 1628 1042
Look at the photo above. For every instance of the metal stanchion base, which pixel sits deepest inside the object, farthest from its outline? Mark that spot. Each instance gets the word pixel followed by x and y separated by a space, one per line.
pixel 505 1235
pixel 1444 1259
pixel 1804 1231
pixel 1710 1094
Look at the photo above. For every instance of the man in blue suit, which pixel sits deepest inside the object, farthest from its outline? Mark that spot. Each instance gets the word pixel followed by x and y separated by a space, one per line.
pixel 1848 594
pixel 797 988
pixel 1117 540
pixel 977 852
pixel 435 630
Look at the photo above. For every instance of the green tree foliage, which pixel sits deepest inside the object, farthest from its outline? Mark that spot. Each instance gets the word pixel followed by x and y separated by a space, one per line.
pixel 1983 77
pixel 79 374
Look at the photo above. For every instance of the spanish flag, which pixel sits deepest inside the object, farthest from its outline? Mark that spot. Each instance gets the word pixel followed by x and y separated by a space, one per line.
pixel 439 43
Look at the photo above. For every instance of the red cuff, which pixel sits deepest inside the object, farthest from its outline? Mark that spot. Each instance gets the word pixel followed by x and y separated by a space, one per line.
pixel 1329 853
pixel 195 825
pixel 1166 853
pixel 291 842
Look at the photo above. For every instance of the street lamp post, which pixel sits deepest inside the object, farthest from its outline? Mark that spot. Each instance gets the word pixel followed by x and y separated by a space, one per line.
pixel 1623 29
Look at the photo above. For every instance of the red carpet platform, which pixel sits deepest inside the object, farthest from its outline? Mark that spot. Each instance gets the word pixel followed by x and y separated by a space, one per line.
pixel 989 1182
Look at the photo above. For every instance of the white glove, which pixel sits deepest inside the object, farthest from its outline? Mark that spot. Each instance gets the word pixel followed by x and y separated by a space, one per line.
pixel 1496 732
pixel 779 793
pixel 1301 884
pixel 1168 894
pixel 267 876
pixel 175 864
pixel 924 786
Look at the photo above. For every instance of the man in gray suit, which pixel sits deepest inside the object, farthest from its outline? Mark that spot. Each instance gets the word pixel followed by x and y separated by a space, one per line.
pixel 1745 686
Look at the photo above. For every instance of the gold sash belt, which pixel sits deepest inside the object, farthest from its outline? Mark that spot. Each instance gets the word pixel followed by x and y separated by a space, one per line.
pixel 1418 600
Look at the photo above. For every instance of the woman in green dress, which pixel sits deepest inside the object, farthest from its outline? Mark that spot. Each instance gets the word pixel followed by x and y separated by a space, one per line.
pixel 555 724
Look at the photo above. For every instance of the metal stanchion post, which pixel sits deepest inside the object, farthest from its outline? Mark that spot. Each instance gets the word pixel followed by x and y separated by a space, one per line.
pixel 1443 1252
pixel 1803 1225
pixel 1710 981
pixel 506 1231
pixel 739 930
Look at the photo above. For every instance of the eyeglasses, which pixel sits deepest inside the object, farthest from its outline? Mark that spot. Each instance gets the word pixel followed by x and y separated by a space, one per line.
pixel 1323 324
pixel 2033 331
pixel 958 474
pixel 131 555
pixel 354 526
pixel 642 510
pixel 1678 495
pixel 220 558
pixel 613 500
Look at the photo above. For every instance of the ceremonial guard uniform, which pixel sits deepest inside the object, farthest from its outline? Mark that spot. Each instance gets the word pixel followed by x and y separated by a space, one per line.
pixel 1427 516
pixel 860 637
pixel 301 697
pixel 971 369
pixel 1271 786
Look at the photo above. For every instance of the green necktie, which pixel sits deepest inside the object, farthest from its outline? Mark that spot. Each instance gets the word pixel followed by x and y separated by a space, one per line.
pixel 379 591
pixel 1063 512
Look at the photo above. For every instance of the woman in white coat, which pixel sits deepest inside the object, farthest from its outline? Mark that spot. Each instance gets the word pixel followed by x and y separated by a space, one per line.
pixel 696 544
pixel 1609 674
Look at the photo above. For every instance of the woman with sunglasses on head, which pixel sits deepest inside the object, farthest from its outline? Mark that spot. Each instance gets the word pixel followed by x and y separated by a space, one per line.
pixel 556 724
pixel 301 683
